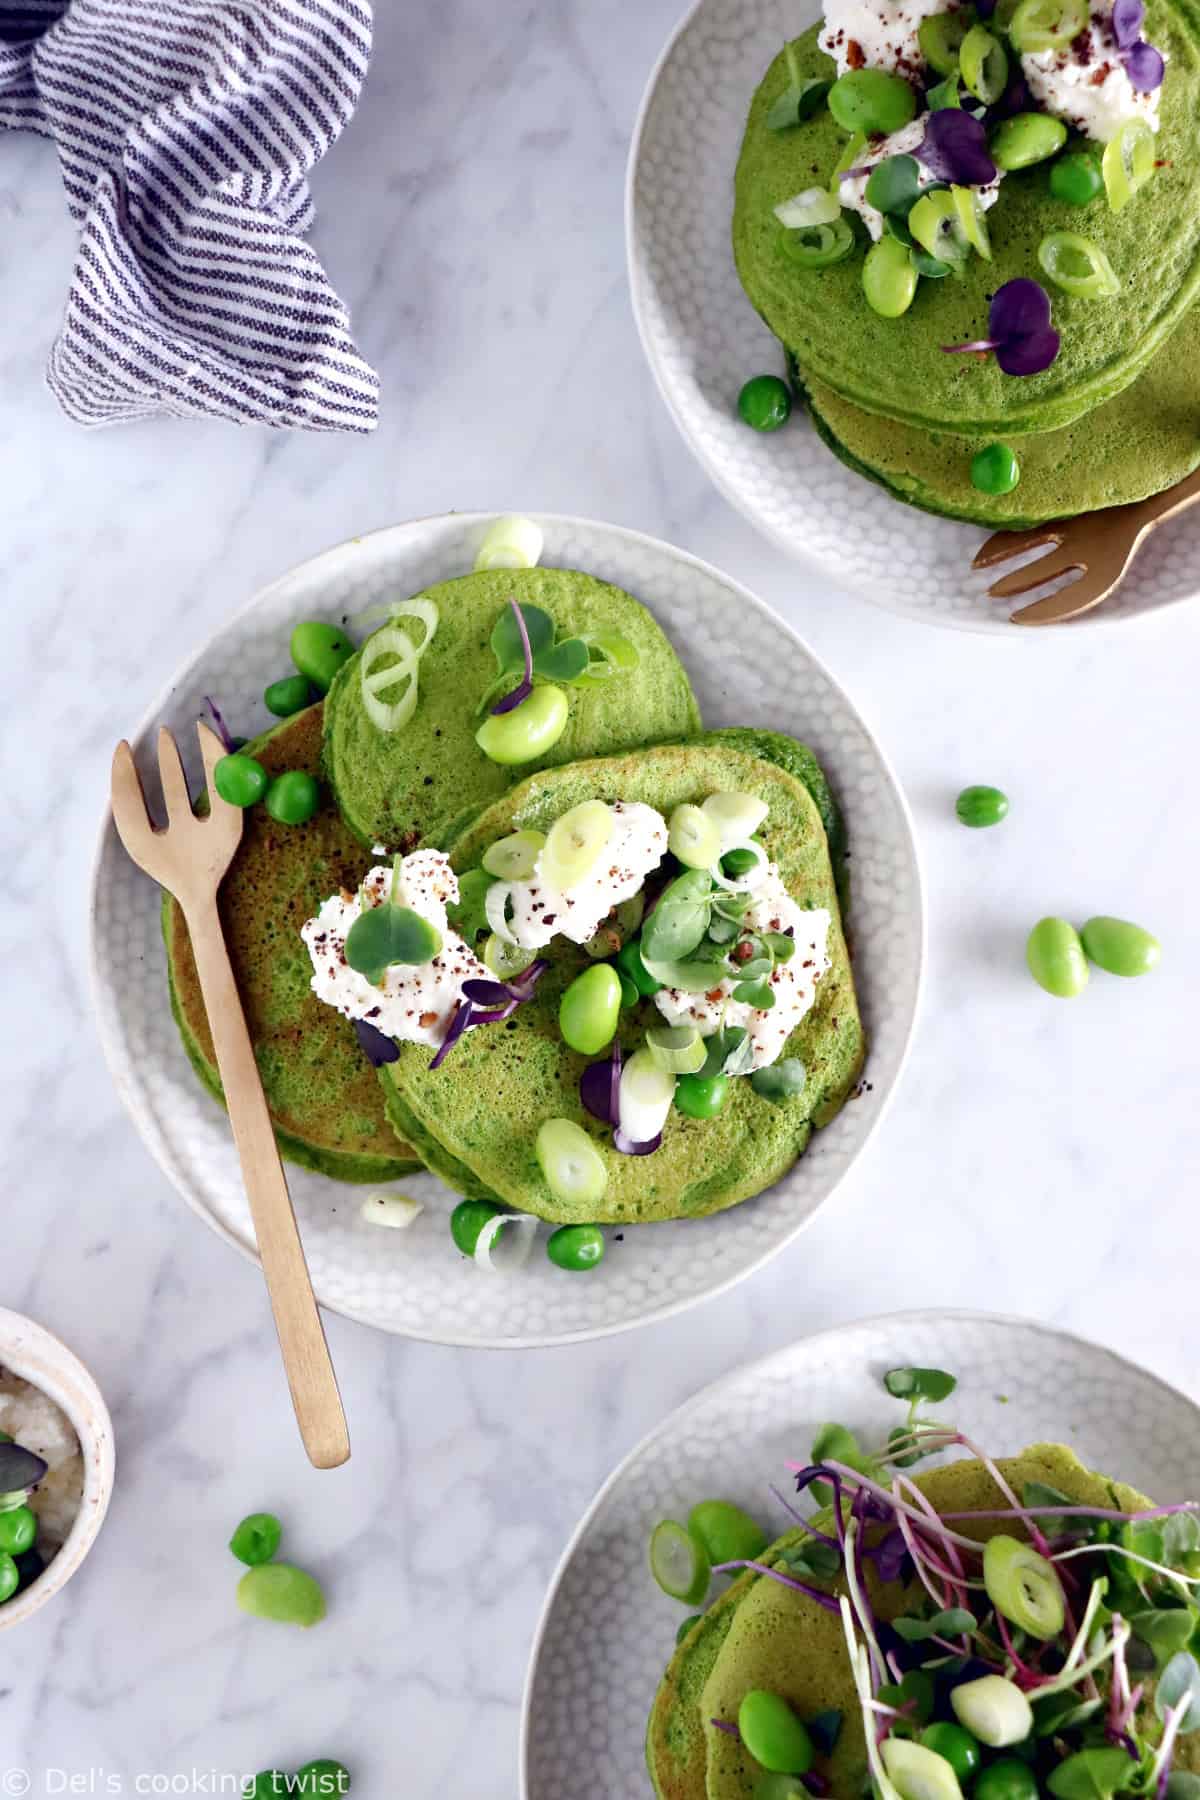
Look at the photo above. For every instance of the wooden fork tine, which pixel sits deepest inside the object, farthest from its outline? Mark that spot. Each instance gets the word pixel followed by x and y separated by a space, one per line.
pixel 174 782
pixel 1077 597
pixel 1031 575
pixel 130 812
pixel 1002 546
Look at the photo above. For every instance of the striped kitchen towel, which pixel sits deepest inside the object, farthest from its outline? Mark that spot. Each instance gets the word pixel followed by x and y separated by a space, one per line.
pixel 185 131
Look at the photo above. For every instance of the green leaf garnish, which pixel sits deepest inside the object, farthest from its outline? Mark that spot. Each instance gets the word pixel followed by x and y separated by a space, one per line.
pixel 826 1728
pixel 920 1384
pixel 814 1558
pixel 389 934
pixel 779 1081
pixel 566 660
pixel 1040 1493
pixel 1179 1685
pixel 894 185
pixel 798 102
pixel 951 1623
pixel 1166 1630
pixel 679 921
pixel 1180 1538
pixel 913 1696
pixel 506 637
pixel 1061 1711
pixel 759 994
pixel 1183 1785
pixel 1090 1775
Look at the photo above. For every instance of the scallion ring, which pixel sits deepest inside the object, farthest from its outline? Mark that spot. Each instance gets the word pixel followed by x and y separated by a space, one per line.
pixel 495 905
pixel 505 1241
pixel 1078 266
pixel 511 543
pixel 983 64
pixel 1046 24
pixel 819 246
pixel 971 218
pixel 745 883
pixel 679 1049
pixel 937 224
pixel 815 206
pixel 1128 162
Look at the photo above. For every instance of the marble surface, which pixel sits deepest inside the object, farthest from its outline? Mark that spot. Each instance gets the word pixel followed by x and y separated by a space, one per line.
pixel 1041 1158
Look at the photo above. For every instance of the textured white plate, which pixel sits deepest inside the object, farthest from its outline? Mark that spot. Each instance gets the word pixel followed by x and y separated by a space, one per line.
pixel 703 339
pixel 748 668
pixel 606 1632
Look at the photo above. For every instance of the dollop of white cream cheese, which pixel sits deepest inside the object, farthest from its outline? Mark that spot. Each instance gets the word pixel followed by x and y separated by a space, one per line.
pixel 794 983
pixel 1086 84
pixel 636 845
pixel 416 1001
pixel 852 189
pixel 877 34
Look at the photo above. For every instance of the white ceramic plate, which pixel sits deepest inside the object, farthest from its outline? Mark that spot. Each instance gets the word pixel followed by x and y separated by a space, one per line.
pixel 607 1633
pixel 703 339
pixel 747 668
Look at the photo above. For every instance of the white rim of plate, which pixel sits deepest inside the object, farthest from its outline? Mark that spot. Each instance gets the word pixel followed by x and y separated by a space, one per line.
pixel 915 1315
pixel 114 1051
pixel 983 626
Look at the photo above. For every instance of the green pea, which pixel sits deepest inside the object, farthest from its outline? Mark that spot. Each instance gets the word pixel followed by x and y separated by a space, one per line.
pixel 287 696
pixel 576 1247
pixel 319 650
pixel 629 960
pixel 773 1734
pixel 240 779
pixel 468 1220
pixel 10 1577
pixel 981 806
pixel 872 101
pixel 727 1533
pixel 18 1530
pixel 321 1778
pixel 1028 138
pixel 1006 1779
pixel 270 1784
pixel 293 797
pixel 1119 947
pixel 1055 957
pixel 888 278
pixel 276 1590
pixel 765 402
pixel 739 862
pixel 589 1009
pixel 995 469
pixel 256 1539
pixel 528 731
pixel 1076 178
pixel 962 1751
pixel 701 1096
pixel 692 1619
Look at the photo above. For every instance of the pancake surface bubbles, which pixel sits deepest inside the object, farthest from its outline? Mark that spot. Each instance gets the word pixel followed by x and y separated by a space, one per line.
pixel 897 366
pixel 423 782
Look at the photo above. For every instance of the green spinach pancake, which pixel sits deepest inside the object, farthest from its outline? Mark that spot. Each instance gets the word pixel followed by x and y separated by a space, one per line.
pixel 896 366
pixel 325 1102
pixel 475 1117
pixel 421 783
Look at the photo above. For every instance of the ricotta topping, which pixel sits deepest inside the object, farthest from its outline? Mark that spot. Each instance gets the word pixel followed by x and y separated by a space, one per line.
pixel 794 983
pixel 637 844
pixel 877 34
pixel 852 189
pixel 415 1001
pixel 1086 84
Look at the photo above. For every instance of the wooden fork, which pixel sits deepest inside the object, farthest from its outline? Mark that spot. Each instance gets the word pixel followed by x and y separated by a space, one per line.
pixel 189 858
pixel 1097 546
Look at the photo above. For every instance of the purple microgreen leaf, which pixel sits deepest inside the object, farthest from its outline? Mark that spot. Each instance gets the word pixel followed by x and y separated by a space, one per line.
pixel 375 1045
pixel 1144 66
pixel 984 8
pixel 521 986
pixel 595 1088
pixel 486 993
pixel 1018 309
pixel 889 1555
pixel 1016 97
pixel 458 1024
pixel 614 1089
pixel 1127 16
pixel 977 347
pixel 511 701
pixel 1029 355
pixel 725 1725
pixel 222 729
pixel 628 1147
pixel 954 148
pixel 816 1784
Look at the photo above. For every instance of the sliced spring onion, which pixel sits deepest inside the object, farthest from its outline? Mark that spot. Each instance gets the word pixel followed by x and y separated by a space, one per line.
pixel 505 1241
pixel 693 836
pixel 849 159
pixel 918 1772
pixel 971 218
pixel 983 64
pixel 511 543
pixel 1024 1586
pixel 941 37
pixel 514 858
pixel 573 1167
pixel 396 1211
pixel 937 225
pixel 994 1709
pixel 679 1049
pixel 737 816
pixel 374 675
pixel 819 246
pixel 678 1563
pixel 1128 162
pixel 815 206
pixel 645 1097
pixel 609 654
pixel 742 884
pixel 574 844
pixel 504 959
pixel 1078 266
pixel 1046 24
pixel 495 905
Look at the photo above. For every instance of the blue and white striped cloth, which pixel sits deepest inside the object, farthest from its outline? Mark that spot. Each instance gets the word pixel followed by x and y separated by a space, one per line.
pixel 185 131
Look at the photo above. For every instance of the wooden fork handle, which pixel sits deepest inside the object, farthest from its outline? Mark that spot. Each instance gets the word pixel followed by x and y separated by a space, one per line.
pixel 301 1335
pixel 1171 501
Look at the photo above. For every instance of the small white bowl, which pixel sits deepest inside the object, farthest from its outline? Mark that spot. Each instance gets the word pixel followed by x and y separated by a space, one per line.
pixel 41 1359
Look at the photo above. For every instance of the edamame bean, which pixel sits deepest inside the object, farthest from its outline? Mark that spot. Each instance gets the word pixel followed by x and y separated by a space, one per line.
pixel 765 403
pixel 279 1591
pixel 18 1530
pixel 240 779
pixel 319 650
pixel 1006 1779
pixel 589 1009
pixel 576 1247
pixel 256 1539
pixel 995 469
pixel 979 807
pixel 10 1577
pixel 871 100
pixel 468 1220
pixel 1119 947
pixel 322 1778
pixel 773 1734
pixel 528 731
pixel 963 1752
pixel 1076 178
pixel 1028 138
pixel 289 695
pixel 1055 958
pixel 727 1533
pixel 293 797
pixel 629 960
pixel 888 278
pixel 701 1096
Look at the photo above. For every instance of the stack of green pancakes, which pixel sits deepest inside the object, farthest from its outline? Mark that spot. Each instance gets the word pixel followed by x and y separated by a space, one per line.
pixel 1116 415
pixel 762 1635
pixel 473 1119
